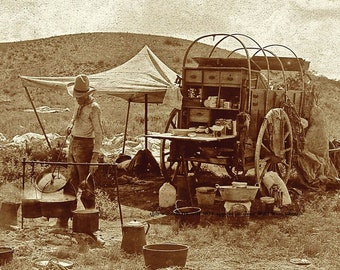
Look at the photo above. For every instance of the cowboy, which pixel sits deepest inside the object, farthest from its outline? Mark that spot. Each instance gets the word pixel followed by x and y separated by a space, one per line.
pixel 86 138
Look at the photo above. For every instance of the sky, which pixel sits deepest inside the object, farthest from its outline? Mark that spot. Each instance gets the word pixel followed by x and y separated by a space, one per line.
pixel 311 28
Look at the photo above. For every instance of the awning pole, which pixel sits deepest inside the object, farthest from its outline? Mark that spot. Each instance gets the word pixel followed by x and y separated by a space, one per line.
pixel 146 120
pixel 126 125
pixel 36 114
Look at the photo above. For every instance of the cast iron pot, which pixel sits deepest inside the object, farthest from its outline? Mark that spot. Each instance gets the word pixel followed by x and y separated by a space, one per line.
pixel 85 221
pixel 6 255
pixel 31 208
pixel 58 208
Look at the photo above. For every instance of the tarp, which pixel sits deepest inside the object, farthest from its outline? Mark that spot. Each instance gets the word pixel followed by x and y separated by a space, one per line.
pixel 143 74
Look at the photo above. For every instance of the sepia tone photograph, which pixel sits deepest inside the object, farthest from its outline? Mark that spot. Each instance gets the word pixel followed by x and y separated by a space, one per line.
pixel 153 134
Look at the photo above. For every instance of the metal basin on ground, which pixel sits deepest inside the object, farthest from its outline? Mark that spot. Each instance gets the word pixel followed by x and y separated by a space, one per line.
pixel 165 255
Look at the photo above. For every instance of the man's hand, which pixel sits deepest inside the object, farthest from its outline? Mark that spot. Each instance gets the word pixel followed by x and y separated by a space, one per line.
pixel 94 159
pixel 69 129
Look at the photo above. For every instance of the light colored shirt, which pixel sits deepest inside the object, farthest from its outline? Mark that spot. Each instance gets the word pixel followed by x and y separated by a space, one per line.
pixel 87 123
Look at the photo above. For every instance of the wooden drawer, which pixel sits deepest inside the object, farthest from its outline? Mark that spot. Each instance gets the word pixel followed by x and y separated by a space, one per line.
pixel 211 77
pixel 199 115
pixel 193 76
pixel 231 77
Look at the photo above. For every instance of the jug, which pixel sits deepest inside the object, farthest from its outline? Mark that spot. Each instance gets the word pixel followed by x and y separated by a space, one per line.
pixel 134 237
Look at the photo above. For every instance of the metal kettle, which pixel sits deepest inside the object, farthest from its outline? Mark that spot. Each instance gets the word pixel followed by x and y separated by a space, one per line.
pixel 134 236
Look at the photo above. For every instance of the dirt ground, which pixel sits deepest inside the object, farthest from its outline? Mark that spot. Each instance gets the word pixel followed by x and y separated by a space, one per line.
pixel 38 239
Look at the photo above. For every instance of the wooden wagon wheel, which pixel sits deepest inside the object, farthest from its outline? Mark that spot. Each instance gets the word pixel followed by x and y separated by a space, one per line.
pixel 274 146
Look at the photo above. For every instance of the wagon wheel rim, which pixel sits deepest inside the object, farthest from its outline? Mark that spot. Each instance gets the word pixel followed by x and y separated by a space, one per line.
pixel 274 146
pixel 168 166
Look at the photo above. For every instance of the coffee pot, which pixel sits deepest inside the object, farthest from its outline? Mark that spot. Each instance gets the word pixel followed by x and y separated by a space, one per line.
pixel 134 236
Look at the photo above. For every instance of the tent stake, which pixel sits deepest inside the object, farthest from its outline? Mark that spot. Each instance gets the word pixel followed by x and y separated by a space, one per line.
pixel 36 114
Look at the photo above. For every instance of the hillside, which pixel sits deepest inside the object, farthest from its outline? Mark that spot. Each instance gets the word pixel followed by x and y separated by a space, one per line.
pixel 92 53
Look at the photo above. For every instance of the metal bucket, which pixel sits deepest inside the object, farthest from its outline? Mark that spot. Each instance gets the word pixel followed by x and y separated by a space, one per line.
pixel 85 221
pixel 187 216
pixel 165 255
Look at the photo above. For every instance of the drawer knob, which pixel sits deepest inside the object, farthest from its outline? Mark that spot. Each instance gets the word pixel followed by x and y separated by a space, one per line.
pixel 230 78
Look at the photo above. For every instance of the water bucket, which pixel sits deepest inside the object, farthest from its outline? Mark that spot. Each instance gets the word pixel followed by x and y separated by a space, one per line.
pixel 187 216
pixel 205 196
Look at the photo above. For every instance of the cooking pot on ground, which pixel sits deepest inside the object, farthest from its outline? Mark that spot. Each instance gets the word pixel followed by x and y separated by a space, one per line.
pixel 85 220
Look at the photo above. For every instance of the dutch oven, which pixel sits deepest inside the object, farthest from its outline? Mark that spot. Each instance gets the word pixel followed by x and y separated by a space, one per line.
pixel 57 207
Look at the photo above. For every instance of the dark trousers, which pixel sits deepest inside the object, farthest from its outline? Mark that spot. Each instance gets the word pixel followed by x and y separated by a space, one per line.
pixel 80 151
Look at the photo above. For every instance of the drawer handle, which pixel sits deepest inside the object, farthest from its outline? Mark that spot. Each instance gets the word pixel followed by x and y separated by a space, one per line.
pixel 211 77
pixel 255 103
pixel 230 78
pixel 255 96
pixel 193 76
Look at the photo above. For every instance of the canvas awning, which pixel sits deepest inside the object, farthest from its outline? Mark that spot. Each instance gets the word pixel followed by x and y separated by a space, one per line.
pixel 142 79
pixel 144 74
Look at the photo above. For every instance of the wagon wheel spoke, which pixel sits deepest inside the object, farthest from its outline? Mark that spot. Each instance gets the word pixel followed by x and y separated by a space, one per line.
pixel 266 148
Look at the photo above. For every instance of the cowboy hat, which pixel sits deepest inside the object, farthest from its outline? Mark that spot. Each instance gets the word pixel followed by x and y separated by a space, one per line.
pixel 80 87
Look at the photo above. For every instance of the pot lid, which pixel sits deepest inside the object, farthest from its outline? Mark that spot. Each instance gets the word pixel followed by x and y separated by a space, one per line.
pixel 135 224
pixel 51 182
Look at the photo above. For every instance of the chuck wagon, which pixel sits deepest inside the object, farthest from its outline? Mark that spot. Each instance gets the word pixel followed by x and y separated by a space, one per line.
pixel 241 109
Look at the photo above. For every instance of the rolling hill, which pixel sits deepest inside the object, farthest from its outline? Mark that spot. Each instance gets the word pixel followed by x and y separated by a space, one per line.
pixel 89 53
